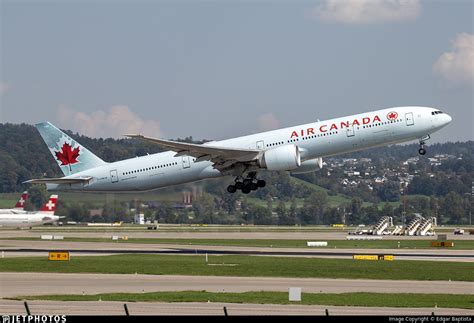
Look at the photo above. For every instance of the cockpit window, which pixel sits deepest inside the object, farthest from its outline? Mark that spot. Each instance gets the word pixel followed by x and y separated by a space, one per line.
pixel 436 112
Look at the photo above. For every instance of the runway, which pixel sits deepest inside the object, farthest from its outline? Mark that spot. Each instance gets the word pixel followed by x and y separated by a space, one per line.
pixel 27 284
pixel 145 308
pixel 19 247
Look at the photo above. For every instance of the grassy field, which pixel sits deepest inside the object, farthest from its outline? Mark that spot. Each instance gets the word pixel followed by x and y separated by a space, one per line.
pixel 333 200
pixel 344 299
pixel 247 266
pixel 8 200
pixel 340 244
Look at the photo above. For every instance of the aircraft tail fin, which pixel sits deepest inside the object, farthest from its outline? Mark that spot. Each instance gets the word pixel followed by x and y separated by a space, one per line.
pixel 20 205
pixel 71 156
pixel 50 206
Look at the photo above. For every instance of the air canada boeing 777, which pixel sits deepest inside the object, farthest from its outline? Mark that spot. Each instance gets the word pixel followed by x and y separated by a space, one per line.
pixel 297 149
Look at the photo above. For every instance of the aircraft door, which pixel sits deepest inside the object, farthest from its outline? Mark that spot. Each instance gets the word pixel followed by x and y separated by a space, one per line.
pixel 186 163
pixel 350 131
pixel 409 119
pixel 260 144
pixel 114 176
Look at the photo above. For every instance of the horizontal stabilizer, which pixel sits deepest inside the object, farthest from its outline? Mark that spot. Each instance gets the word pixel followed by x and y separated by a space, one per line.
pixel 80 180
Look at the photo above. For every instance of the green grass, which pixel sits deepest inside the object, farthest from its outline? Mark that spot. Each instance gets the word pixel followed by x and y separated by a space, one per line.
pixel 247 266
pixel 333 201
pixel 344 299
pixel 8 200
pixel 340 244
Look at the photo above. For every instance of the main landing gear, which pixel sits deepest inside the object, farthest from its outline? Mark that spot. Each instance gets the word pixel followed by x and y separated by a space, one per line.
pixel 422 149
pixel 246 185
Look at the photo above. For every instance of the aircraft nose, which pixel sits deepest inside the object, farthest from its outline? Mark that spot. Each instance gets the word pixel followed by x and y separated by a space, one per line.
pixel 448 118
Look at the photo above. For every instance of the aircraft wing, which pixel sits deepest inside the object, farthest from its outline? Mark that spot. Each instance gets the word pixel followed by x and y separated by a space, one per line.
pixel 80 180
pixel 222 157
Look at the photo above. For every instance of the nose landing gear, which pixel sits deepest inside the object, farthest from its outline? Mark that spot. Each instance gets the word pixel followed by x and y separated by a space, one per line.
pixel 422 149
pixel 246 185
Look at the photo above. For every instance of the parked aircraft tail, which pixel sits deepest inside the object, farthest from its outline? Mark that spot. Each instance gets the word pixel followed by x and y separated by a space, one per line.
pixel 50 206
pixel 20 205
pixel 71 156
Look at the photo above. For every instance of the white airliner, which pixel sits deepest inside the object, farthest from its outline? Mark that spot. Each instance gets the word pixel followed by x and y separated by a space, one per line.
pixel 297 149
pixel 18 217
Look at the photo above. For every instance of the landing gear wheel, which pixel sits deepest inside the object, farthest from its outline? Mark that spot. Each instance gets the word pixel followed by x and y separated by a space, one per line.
pixel 246 184
pixel 246 189
pixel 422 149
pixel 247 181
pixel 261 183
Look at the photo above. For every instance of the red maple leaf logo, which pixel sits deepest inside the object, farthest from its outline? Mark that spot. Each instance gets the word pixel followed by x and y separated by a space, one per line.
pixel 392 115
pixel 67 155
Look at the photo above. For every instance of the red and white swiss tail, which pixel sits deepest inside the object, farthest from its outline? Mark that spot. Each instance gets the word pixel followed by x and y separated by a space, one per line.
pixel 21 202
pixel 50 206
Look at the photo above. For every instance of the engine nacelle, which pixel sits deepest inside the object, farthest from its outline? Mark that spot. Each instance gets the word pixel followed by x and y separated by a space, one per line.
pixel 281 158
pixel 308 166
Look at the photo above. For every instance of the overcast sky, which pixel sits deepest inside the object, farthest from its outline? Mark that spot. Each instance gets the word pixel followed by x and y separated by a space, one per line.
pixel 218 69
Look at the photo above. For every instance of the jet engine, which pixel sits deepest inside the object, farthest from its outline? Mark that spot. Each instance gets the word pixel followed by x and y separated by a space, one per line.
pixel 309 166
pixel 281 158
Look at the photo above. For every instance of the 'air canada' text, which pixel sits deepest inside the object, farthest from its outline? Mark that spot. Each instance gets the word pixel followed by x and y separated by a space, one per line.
pixel 334 126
